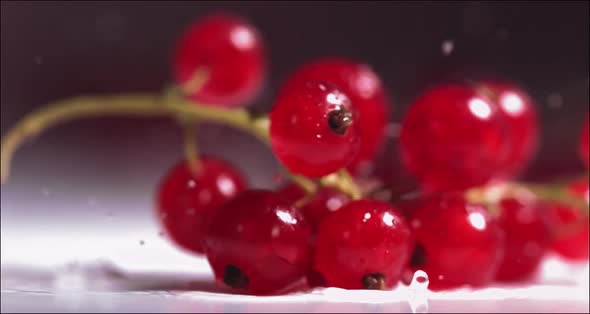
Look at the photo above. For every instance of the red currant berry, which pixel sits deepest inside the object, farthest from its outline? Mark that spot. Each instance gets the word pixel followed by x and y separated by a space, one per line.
pixel 364 88
pixel 453 138
pixel 365 244
pixel 185 200
pixel 258 243
pixel 584 142
pixel 326 201
pixel 570 225
pixel 220 60
pixel 526 239
pixel 456 243
pixel 313 129
pixel 521 121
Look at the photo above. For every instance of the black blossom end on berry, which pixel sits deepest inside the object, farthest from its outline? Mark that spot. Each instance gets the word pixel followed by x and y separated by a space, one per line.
pixel 375 281
pixel 235 277
pixel 418 256
pixel 339 120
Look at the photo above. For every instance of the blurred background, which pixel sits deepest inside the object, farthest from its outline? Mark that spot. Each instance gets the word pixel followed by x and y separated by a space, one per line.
pixel 85 189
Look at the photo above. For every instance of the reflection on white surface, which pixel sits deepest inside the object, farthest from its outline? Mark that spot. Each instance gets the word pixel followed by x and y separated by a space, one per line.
pixel 107 273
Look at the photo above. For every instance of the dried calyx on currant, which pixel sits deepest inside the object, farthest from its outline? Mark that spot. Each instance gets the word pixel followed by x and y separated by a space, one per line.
pixel 461 141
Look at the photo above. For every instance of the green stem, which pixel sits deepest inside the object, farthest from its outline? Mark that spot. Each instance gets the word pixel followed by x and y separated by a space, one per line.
pixel 170 104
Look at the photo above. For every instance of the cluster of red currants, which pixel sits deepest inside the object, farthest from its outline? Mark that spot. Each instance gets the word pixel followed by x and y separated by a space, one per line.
pixel 331 114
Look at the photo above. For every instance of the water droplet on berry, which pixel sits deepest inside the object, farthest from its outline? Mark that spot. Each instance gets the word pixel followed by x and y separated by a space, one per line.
pixel 388 219
pixel 46 191
pixel 38 60
pixel 226 185
pixel 275 232
pixel 416 223
pixel 191 184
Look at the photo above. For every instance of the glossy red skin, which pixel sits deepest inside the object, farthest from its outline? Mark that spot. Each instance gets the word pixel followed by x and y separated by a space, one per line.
pixel 573 243
pixel 233 53
pixel 364 88
pixel 326 201
pixel 355 241
pixel 263 235
pixel 522 124
pixel 460 249
pixel 185 201
pixel 300 134
pixel 526 239
pixel 584 142
pixel 448 147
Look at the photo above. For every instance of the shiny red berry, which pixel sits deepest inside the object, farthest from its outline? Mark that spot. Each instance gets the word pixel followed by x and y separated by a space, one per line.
pixel 258 243
pixel 185 200
pixel 457 243
pixel 326 201
pixel 220 60
pixel 519 113
pixel 584 142
pixel 363 245
pixel 364 88
pixel 526 238
pixel 453 138
pixel 313 129
pixel 570 225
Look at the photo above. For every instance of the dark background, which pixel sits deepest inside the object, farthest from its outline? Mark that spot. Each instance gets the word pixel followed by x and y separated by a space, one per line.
pixel 52 50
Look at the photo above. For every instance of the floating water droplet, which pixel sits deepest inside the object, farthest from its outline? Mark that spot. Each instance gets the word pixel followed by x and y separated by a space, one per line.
pixel 46 192
pixel 141 242
pixel 555 100
pixel 447 47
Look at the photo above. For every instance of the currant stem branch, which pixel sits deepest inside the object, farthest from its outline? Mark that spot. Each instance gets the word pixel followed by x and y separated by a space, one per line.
pixel 547 192
pixel 170 104
pixel 191 150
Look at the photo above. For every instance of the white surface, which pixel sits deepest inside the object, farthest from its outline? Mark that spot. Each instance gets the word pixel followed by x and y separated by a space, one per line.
pixel 62 252
pixel 75 272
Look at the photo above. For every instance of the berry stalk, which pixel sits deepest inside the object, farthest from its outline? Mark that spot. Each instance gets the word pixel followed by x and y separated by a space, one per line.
pixel 548 192
pixel 170 104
